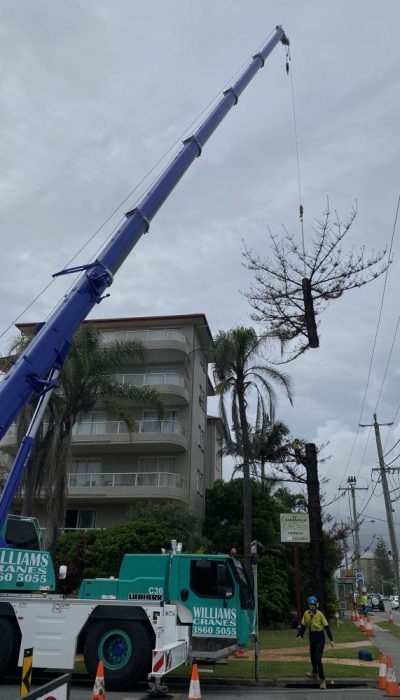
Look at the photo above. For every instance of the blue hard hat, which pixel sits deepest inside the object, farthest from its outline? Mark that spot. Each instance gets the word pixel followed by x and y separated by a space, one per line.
pixel 312 600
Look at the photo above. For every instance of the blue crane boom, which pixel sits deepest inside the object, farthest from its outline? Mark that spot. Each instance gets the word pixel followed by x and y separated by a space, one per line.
pixel 35 372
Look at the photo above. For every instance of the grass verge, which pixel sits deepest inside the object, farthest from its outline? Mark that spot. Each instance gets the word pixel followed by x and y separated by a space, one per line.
pixel 274 670
pixel 393 629
pixel 285 640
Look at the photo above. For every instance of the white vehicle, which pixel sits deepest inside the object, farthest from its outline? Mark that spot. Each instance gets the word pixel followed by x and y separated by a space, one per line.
pixel 394 601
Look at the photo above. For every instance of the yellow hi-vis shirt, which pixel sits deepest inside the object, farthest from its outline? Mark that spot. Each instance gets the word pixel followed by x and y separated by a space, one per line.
pixel 316 622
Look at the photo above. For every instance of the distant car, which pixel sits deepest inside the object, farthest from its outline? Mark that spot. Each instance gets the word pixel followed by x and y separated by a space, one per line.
pixel 395 602
pixel 376 602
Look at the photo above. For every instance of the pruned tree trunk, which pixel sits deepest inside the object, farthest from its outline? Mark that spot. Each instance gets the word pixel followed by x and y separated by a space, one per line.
pixel 309 314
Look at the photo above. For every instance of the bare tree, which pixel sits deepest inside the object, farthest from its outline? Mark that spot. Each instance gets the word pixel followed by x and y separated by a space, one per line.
pixel 295 284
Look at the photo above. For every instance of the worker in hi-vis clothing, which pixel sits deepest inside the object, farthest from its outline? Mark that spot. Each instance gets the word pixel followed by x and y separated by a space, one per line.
pixel 317 625
pixel 363 600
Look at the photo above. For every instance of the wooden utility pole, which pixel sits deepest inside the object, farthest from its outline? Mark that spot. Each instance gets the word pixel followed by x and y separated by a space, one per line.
pixel 386 495
pixel 315 515
pixel 356 527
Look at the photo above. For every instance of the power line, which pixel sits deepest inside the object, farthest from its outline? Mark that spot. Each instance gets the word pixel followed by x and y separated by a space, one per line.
pixel 387 363
pixel 382 520
pixel 375 339
pixel 393 460
pixel 369 500
pixel 392 448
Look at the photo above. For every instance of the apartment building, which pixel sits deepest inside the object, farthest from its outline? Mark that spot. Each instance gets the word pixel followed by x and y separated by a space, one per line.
pixel 173 459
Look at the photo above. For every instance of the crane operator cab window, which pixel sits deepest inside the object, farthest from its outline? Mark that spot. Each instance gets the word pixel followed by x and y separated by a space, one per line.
pixel 211 579
pixel 23 533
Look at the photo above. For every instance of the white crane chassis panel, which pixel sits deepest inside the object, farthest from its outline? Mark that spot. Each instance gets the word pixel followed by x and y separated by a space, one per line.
pixel 52 629
pixel 51 625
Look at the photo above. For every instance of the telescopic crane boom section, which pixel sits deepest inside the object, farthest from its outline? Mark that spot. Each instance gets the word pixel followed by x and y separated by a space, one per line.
pixel 33 373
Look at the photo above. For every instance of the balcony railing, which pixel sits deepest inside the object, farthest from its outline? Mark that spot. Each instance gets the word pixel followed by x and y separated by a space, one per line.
pixel 153 379
pixel 145 334
pixel 131 480
pixel 11 432
pixel 115 427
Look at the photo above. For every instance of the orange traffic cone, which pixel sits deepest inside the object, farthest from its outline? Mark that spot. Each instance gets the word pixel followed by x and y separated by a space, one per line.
pixel 240 654
pixel 391 617
pixel 370 629
pixel 392 688
pixel 99 692
pixel 362 626
pixel 194 689
pixel 382 672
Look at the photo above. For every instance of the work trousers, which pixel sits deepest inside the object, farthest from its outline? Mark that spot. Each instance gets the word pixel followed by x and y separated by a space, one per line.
pixel 316 651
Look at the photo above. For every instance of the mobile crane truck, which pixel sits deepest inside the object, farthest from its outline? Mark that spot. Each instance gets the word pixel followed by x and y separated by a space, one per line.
pixel 163 609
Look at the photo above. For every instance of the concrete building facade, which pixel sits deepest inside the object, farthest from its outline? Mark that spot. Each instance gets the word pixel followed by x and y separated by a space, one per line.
pixel 173 459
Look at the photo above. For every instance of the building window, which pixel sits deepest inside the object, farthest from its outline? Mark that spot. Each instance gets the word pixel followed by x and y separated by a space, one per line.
pixel 168 374
pixel 169 414
pixel 200 483
pixel 93 423
pixel 202 398
pixel 151 422
pixel 110 336
pixel 201 437
pixel 86 466
pixel 80 519
pixel 157 464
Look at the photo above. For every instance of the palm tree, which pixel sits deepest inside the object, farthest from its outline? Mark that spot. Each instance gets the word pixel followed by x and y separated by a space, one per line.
pixel 87 380
pixel 240 372
pixel 267 446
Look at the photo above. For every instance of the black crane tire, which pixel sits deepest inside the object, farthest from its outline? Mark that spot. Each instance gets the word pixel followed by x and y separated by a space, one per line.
pixel 10 641
pixel 125 648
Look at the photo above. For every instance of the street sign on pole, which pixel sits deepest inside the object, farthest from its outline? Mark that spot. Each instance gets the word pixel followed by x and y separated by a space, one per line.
pixel 295 527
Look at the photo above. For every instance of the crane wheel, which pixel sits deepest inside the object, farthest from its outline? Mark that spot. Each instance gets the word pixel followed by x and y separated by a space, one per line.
pixel 10 640
pixel 125 648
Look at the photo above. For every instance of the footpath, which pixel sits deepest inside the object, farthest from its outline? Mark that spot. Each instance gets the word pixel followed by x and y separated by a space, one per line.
pixel 387 642
pixel 284 665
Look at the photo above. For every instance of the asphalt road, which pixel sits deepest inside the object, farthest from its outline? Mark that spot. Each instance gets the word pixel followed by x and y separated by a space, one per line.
pixel 215 692
pixel 210 692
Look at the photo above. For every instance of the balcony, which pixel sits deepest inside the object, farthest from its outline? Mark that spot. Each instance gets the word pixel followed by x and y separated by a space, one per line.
pixel 169 435
pixel 162 344
pixel 125 486
pixel 9 441
pixel 172 386
pixel 114 436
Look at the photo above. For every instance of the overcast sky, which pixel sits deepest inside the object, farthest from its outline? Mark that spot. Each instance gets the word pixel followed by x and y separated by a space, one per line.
pixel 94 93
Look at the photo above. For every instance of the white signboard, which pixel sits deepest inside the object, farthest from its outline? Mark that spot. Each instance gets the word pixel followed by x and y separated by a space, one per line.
pixel 54 690
pixel 295 527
